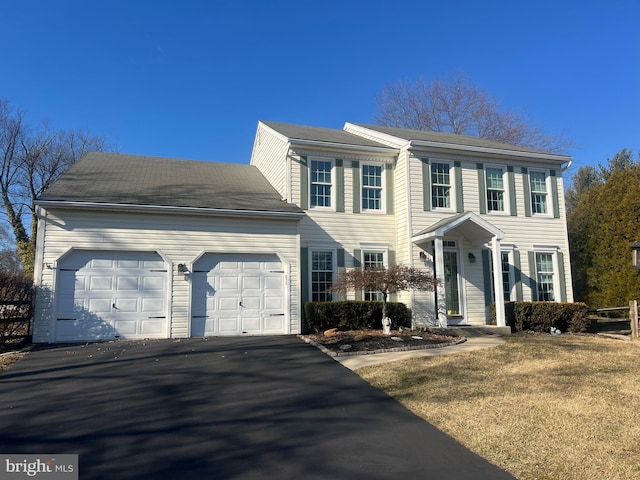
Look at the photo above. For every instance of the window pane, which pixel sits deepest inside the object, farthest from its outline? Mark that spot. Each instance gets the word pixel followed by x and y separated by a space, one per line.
pixel 440 174
pixel 320 183
pixel 321 276
pixel 371 187
pixel 538 182
pixel 371 199
pixel 494 178
pixel 544 266
pixel 441 197
pixel 506 276
pixel 372 175
pixel 372 260
pixel 495 201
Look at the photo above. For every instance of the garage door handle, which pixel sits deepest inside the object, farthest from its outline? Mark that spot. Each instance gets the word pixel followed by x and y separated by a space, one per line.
pixel 276 314
pixel 241 305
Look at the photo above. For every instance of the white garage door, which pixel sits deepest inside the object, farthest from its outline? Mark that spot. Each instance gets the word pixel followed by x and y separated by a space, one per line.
pixel 238 294
pixel 106 295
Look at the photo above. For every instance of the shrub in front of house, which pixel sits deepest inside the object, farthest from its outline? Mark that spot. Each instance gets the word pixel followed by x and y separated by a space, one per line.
pixel 354 315
pixel 541 316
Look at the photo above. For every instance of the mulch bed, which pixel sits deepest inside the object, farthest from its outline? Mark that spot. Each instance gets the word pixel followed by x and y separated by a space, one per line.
pixel 352 342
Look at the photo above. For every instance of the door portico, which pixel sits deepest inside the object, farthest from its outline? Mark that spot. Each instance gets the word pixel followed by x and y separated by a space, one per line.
pixel 473 229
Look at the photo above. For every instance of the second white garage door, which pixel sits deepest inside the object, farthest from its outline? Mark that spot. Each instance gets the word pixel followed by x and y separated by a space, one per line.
pixel 238 294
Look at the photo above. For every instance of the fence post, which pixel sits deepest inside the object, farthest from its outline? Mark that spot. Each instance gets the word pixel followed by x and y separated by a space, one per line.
pixel 633 316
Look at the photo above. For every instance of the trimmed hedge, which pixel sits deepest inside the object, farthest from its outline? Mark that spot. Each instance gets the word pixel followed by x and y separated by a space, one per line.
pixel 541 316
pixel 354 315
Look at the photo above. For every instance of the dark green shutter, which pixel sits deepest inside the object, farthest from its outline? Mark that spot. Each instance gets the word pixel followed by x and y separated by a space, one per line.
pixel 563 283
pixel 511 184
pixel 304 183
pixel 527 192
pixel 389 187
pixel 355 169
pixel 392 258
pixel 340 263
pixel 304 276
pixel 357 263
pixel 533 277
pixel 555 200
pixel 482 188
pixel 457 175
pixel 517 275
pixel 426 185
pixel 486 274
pixel 339 186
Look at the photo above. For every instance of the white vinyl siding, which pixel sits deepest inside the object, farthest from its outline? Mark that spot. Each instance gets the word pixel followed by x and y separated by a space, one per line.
pixel 177 238
pixel 269 150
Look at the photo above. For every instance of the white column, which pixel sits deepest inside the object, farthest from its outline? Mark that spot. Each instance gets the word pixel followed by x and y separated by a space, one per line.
pixel 441 298
pixel 498 286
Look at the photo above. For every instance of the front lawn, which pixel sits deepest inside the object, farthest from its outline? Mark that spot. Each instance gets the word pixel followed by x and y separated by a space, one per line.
pixel 542 407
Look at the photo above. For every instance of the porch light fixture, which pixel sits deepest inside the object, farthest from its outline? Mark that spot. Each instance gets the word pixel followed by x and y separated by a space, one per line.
pixel 423 255
pixel 182 268
pixel 472 258
pixel 635 255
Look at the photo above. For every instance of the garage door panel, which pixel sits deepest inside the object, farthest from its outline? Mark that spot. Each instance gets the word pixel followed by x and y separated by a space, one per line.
pixel 254 281
pixel 113 294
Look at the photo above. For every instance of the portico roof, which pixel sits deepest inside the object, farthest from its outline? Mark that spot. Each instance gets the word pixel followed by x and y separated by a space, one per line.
pixel 469 224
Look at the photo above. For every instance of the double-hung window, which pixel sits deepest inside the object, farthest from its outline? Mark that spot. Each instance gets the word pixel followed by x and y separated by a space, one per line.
pixel 321 275
pixel 372 187
pixel 440 185
pixel 538 183
pixel 545 277
pixel 372 260
pixel 320 183
pixel 506 271
pixel 495 189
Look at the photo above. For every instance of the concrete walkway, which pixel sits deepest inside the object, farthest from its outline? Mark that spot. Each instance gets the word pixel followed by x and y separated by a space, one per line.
pixel 476 342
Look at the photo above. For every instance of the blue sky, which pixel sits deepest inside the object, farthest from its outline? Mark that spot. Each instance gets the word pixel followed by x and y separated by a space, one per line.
pixel 191 78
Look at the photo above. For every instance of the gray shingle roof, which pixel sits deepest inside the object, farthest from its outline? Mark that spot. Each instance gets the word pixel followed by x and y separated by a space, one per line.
pixel 319 134
pixel 450 138
pixel 115 178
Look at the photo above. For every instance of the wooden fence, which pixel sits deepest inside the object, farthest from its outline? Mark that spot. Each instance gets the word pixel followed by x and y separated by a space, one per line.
pixel 604 322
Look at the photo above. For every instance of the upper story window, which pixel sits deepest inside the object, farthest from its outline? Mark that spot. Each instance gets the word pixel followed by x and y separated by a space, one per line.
pixel 372 187
pixel 320 183
pixel 440 185
pixel 539 200
pixel 495 189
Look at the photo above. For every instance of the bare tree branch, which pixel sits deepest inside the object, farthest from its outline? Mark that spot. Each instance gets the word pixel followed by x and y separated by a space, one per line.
pixel 455 105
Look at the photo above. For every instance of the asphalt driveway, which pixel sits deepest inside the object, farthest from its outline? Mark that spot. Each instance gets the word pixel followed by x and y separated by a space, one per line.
pixel 227 408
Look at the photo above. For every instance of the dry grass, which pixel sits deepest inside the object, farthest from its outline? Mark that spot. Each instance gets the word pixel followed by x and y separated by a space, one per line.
pixel 541 407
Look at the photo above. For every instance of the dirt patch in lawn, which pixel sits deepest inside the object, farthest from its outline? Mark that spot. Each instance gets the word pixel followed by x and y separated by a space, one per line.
pixel 358 342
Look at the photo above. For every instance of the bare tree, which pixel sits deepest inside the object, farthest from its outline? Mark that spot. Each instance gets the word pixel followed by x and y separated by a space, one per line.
pixel 455 105
pixel 385 280
pixel 30 161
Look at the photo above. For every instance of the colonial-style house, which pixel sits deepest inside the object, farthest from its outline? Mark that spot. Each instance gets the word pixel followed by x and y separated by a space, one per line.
pixel 144 247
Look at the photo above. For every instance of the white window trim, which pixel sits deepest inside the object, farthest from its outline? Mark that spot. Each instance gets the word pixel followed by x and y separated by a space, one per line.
pixel 553 251
pixel 334 266
pixel 383 188
pixel 452 186
pixel 332 207
pixel 505 189
pixel 547 182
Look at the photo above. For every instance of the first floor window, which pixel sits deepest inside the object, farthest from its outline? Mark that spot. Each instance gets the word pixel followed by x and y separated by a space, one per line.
pixel 371 260
pixel 544 270
pixel 320 183
pixel 321 276
pixel 506 275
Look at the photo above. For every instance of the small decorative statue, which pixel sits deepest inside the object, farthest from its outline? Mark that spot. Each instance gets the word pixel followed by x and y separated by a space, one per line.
pixel 386 325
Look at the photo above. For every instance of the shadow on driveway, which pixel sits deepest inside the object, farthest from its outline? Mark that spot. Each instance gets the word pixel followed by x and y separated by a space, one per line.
pixel 227 408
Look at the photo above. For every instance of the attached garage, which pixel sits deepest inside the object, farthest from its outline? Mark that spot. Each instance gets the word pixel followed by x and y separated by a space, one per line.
pixel 104 295
pixel 236 294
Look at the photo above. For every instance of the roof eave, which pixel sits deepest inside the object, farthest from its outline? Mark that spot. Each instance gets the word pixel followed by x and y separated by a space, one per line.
pixel 493 151
pixel 220 212
pixel 382 151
